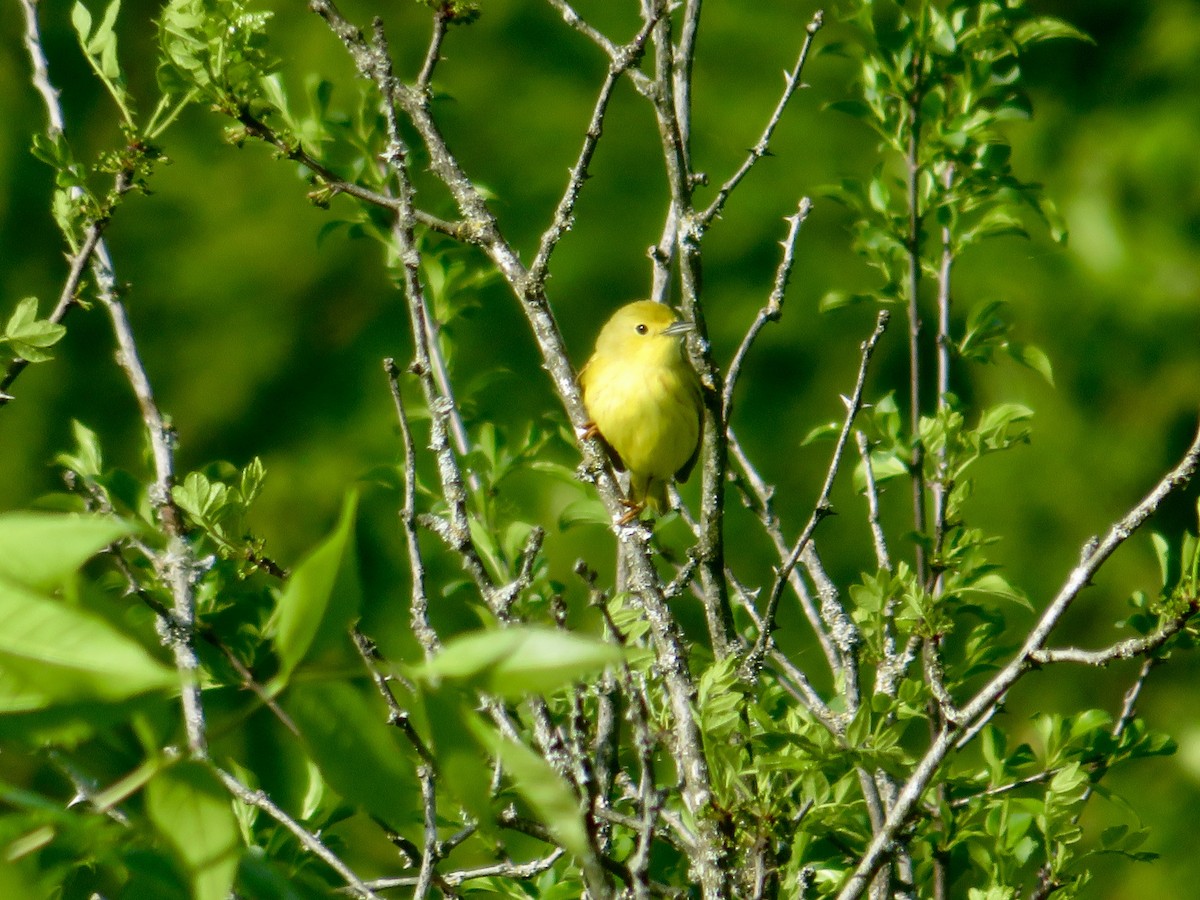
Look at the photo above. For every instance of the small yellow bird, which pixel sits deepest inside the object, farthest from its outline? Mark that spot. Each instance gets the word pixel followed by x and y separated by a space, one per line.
pixel 644 400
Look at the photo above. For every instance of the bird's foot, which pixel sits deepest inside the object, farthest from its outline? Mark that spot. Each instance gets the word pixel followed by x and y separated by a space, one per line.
pixel 635 510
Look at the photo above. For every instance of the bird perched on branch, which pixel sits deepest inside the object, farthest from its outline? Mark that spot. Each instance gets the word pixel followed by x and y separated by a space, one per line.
pixel 644 400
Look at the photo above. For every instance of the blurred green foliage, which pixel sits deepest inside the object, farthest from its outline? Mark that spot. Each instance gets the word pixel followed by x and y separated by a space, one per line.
pixel 263 327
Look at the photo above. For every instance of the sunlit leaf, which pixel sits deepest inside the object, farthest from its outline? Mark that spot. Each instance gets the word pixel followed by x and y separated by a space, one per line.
pixel 513 662
pixel 320 599
pixel 42 549
pixel 63 653
pixel 357 752
pixel 192 811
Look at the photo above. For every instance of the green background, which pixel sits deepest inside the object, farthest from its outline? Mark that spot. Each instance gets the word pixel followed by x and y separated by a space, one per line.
pixel 262 340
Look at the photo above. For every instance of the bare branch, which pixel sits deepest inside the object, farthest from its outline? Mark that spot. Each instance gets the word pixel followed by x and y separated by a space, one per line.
pixel 774 308
pixel 762 148
pixel 821 509
pixel 1126 649
pixel 307 839
pixel 1038 778
pixel 434 53
pixel 624 59
pixel 429 847
pixel 576 21
pixel 759 497
pixel 882 558
pixel 419 599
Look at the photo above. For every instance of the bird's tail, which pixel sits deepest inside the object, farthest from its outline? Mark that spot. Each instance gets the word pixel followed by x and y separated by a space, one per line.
pixel 651 491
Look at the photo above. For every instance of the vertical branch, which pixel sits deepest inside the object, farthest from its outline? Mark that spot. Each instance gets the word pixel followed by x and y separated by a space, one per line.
pixel 912 191
pixel 773 310
pixel 419 599
pixel 176 564
pixel 941 486
pixel 759 496
pixel 682 238
pixel 842 630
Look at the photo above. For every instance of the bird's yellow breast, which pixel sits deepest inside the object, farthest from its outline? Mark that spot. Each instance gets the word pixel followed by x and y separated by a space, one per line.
pixel 648 414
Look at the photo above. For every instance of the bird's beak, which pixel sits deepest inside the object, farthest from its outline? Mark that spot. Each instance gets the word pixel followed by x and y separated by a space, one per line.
pixel 678 328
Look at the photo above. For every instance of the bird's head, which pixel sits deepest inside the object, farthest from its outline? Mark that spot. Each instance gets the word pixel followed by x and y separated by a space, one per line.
pixel 644 331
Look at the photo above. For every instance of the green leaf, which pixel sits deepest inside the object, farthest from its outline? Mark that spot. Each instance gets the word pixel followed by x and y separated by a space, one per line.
pixel 320 599
pixel 41 550
pixel 82 20
pixel 199 497
pixel 22 317
pixel 1032 357
pixel 551 799
pixel 191 810
pixel 51 652
pixel 513 662
pixel 585 511
pixel 27 336
pixel 996 585
pixel 1048 28
pixel 87 461
pixel 357 752
pixel 826 431
pixel 839 299
pixel 1162 552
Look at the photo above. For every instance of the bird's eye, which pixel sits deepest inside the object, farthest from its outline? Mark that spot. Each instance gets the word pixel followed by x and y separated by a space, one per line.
pixel 641 329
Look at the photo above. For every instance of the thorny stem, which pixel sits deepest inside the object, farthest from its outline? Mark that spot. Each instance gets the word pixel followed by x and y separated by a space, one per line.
pixel 773 311
pixel 419 599
pixel 177 563
pixel 759 496
pixel 307 839
pixel 792 81
pixel 624 58
pixel 844 642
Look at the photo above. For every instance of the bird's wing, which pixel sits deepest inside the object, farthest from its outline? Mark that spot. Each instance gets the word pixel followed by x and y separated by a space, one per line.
pixel 582 378
pixel 686 470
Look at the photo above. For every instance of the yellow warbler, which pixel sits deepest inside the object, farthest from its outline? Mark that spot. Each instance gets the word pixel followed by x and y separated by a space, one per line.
pixel 644 399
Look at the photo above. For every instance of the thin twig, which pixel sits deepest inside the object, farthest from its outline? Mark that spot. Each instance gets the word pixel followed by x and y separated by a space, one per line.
pixel 821 508
pixel 519 871
pixel 624 59
pixel 593 34
pixel 419 598
pixel 882 558
pixel 773 311
pixel 434 53
pixel 429 848
pixel 1126 649
pixel 762 148
pixel 1038 778
pixel 307 839
pixel 759 497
